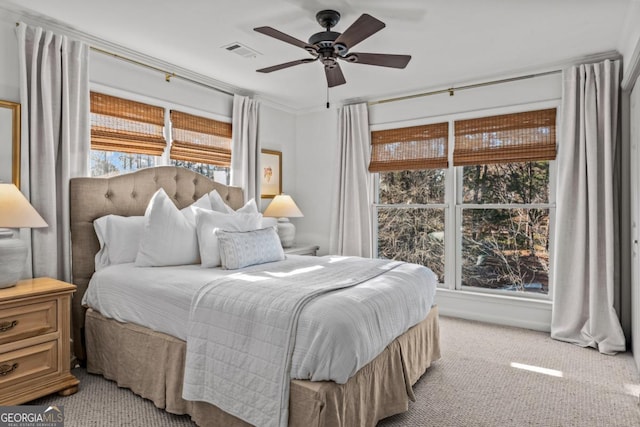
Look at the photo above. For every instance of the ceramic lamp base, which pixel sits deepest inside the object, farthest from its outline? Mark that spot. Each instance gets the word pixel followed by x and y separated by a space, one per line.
pixel 286 232
pixel 13 255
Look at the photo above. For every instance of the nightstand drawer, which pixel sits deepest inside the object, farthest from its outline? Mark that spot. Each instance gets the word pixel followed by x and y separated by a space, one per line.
pixel 26 363
pixel 29 320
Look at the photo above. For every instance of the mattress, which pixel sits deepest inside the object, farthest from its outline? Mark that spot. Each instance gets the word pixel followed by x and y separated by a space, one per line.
pixel 159 298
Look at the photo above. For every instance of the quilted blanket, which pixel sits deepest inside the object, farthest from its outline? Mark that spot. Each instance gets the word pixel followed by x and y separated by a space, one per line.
pixel 242 330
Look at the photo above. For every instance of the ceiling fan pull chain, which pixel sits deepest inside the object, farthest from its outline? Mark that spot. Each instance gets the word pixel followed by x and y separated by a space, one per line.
pixel 327 97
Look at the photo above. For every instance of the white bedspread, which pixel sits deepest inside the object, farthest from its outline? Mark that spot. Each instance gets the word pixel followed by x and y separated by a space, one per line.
pixel 154 297
pixel 242 328
pixel 160 297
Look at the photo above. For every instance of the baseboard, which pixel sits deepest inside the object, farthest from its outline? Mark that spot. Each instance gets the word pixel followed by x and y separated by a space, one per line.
pixel 502 310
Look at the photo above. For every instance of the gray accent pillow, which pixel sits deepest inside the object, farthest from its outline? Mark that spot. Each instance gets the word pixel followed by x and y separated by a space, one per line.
pixel 242 249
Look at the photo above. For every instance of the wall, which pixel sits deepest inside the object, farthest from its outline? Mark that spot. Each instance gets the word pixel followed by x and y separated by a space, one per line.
pixel 316 156
pixel 629 44
pixel 9 83
pixel 277 131
pixel 635 220
pixel 134 79
pixel 500 95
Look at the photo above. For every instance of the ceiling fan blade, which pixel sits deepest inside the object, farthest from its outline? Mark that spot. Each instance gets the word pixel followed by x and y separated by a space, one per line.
pixel 272 32
pixel 286 65
pixel 364 27
pixel 334 76
pixel 380 59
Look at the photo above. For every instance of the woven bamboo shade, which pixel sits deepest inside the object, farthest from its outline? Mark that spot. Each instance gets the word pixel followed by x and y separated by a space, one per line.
pixel 122 125
pixel 200 140
pixel 519 137
pixel 410 148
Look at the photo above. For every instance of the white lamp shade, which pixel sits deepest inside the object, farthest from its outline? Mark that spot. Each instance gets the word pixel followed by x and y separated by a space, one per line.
pixel 15 210
pixel 283 206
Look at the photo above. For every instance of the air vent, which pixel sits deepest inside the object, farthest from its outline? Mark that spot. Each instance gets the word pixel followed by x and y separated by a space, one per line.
pixel 242 50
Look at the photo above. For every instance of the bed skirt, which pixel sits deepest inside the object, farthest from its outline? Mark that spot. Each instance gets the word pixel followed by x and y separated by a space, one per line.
pixel 151 364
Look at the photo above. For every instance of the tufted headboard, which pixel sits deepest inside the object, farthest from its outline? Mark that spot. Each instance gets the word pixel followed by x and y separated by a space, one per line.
pixel 126 195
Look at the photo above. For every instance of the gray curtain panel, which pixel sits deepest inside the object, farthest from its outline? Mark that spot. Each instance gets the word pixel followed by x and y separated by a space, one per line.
pixel 351 221
pixel 245 151
pixel 586 214
pixel 54 93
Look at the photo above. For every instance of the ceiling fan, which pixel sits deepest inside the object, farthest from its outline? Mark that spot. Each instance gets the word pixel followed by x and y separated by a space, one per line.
pixel 330 46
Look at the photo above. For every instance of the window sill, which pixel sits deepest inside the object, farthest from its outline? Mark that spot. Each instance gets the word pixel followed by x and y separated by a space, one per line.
pixel 499 309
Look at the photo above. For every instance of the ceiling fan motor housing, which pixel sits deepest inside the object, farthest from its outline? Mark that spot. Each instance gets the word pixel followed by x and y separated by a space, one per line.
pixel 324 38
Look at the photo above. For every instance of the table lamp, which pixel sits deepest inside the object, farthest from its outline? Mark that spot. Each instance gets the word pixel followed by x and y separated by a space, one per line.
pixel 283 207
pixel 15 212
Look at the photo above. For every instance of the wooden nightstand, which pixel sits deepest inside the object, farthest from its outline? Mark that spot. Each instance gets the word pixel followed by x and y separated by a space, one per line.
pixel 302 250
pixel 35 343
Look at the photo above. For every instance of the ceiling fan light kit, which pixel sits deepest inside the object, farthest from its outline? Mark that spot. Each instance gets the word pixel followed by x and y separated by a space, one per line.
pixel 328 46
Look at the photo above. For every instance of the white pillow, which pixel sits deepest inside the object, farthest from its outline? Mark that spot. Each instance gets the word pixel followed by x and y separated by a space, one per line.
pixel 242 249
pixel 169 238
pixel 202 203
pixel 217 204
pixel 119 237
pixel 207 222
pixel 249 207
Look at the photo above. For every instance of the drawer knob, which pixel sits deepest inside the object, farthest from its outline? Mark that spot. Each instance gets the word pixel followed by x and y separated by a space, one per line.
pixel 7 369
pixel 5 326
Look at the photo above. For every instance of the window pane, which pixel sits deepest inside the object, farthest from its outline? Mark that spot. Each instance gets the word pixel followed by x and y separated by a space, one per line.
pixel 217 173
pixel 108 163
pixel 414 187
pixel 506 249
pixel 412 235
pixel 523 182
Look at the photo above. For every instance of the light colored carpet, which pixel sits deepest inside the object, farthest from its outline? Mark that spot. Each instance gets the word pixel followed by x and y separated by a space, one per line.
pixel 474 384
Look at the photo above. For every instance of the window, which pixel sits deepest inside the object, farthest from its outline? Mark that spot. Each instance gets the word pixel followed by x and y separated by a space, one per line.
pixel 125 135
pixel 410 213
pixel 500 180
pixel 128 135
pixel 201 144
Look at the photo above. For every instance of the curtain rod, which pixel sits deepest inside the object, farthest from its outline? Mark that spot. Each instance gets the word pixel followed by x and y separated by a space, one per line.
pixel 167 75
pixel 452 89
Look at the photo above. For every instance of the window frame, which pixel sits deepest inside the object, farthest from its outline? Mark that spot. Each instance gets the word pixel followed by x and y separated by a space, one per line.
pixel 453 206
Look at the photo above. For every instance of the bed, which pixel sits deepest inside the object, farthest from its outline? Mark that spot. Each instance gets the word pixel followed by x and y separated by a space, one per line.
pixel 122 351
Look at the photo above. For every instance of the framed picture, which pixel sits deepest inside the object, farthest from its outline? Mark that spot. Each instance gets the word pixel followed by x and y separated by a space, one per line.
pixel 10 132
pixel 270 174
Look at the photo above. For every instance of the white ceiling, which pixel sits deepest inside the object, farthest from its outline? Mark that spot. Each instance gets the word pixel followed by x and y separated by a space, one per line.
pixel 452 42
